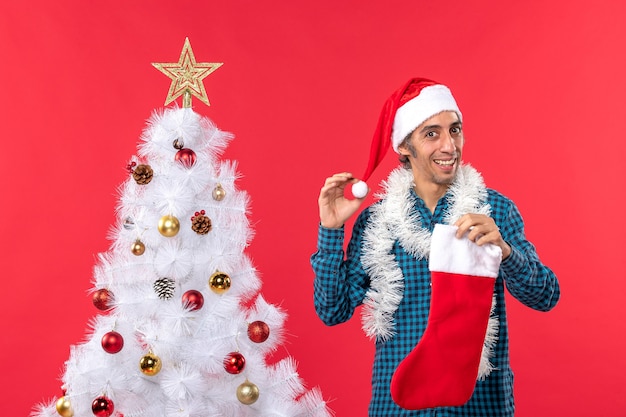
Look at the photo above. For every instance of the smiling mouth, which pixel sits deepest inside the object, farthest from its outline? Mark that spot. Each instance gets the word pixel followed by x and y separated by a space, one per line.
pixel 441 162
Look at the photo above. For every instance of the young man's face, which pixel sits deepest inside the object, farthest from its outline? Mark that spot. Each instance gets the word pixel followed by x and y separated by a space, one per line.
pixel 435 149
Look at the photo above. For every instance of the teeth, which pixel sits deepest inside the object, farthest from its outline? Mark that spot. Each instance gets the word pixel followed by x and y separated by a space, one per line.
pixel 450 162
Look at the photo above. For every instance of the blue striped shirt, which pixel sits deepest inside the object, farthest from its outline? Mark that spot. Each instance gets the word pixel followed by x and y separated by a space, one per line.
pixel 341 284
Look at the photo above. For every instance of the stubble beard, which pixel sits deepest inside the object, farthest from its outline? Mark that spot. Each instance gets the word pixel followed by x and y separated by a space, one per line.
pixel 447 180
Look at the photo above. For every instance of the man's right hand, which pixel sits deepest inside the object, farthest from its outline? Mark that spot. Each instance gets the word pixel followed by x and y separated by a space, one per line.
pixel 335 208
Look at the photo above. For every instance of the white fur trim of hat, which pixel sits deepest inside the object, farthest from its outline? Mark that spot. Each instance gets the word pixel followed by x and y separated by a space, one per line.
pixel 431 100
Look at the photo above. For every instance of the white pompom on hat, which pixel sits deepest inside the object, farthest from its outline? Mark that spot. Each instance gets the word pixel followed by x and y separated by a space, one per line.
pixel 407 108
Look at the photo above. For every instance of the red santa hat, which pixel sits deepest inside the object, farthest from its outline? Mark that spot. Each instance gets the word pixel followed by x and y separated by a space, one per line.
pixel 407 108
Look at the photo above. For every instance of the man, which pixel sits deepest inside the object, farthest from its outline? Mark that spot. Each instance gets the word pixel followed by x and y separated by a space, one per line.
pixel 386 267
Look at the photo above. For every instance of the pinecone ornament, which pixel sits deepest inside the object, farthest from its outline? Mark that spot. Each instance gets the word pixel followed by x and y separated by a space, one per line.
pixel 143 174
pixel 164 287
pixel 200 223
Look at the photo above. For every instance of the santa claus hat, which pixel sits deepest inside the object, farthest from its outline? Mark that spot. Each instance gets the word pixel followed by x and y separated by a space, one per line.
pixel 407 108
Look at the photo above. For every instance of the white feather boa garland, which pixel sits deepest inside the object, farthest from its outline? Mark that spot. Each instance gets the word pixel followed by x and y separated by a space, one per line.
pixel 394 219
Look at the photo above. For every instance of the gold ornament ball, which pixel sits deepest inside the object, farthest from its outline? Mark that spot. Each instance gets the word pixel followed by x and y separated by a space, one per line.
pixel 169 226
pixel 219 193
pixel 150 364
pixel 247 393
pixel 219 282
pixel 138 248
pixel 64 407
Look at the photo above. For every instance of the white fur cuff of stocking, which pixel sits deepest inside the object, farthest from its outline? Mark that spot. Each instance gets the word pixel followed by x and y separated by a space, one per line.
pixel 462 256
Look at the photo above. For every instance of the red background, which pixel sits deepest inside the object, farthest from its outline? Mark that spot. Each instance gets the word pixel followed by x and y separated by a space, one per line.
pixel 541 88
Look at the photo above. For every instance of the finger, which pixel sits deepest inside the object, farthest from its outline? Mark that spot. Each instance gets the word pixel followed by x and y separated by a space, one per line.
pixel 464 225
pixel 339 179
pixel 333 190
pixel 492 238
pixel 477 231
pixel 343 176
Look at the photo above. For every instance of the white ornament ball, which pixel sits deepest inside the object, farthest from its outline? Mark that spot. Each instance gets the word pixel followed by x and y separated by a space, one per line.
pixel 359 189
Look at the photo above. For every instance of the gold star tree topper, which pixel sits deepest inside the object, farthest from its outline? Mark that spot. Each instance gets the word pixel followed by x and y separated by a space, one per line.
pixel 187 76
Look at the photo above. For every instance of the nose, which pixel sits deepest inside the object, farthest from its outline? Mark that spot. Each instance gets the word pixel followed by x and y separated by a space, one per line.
pixel 448 144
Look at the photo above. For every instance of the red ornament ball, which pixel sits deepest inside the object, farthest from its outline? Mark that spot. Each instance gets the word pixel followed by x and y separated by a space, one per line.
pixel 234 363
pixel 102 407
pixel 193 300
pixel 112 342
pixel 102 299
pixel 258 331
pixel 186 156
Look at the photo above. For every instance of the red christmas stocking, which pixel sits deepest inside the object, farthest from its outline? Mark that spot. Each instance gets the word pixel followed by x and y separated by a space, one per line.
pixel 442 369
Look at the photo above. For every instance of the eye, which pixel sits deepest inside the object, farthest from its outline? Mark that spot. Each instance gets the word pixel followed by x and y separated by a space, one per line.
pixel 455 130
pixel 431 134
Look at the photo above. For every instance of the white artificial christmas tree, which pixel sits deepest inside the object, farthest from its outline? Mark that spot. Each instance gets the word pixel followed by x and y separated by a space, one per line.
pixel 184 331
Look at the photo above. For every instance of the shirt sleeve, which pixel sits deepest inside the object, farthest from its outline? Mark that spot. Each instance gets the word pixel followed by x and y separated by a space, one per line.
pixel 340 284
pixel 526 278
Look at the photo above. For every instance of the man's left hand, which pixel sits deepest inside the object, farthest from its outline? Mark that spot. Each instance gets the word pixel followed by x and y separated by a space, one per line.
pixel 482 229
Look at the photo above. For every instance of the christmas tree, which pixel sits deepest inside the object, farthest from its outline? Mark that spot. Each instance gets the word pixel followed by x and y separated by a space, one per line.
pixel 182 329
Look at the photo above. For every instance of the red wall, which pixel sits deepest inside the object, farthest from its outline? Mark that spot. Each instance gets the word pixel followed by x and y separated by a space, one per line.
pixel 541 88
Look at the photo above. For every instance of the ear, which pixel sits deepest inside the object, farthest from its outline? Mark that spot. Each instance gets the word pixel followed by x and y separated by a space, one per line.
pixel 403 150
